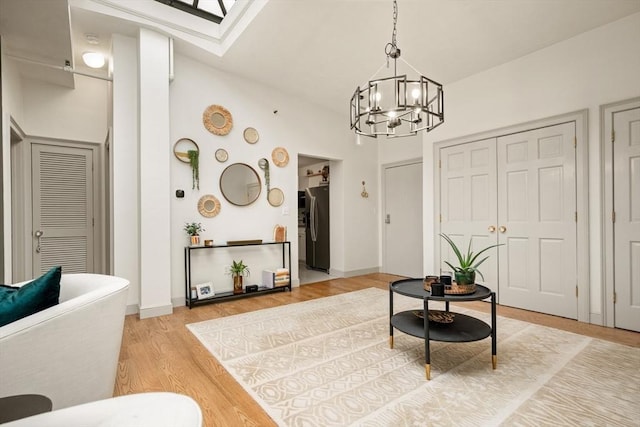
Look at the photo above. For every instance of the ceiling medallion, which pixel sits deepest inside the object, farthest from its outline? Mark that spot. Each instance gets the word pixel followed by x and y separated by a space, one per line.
pixel 217 120
pixel 397 106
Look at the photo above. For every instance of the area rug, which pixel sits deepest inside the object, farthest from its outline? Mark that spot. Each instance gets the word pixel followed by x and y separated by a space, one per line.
pixel 327 362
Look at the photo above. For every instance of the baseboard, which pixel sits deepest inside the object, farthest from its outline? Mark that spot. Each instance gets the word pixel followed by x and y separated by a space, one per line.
pixel 132 309
pixel 178 302
pixel 352 273
pixel 156 311
pixel 596 319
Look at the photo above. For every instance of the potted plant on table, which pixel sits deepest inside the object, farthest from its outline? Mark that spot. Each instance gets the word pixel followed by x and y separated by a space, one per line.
pixel 238 270
pixel 194 229
pixel 465 272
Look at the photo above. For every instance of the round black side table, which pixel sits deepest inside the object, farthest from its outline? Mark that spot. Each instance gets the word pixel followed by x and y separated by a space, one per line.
pixel 23 405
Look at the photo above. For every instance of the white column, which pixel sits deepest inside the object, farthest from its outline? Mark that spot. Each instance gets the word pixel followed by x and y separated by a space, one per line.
pixel 155 150
pixel 125 231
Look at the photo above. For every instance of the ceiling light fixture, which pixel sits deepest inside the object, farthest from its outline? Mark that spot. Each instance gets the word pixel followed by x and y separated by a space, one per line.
pixel 93 59
pixel 397 106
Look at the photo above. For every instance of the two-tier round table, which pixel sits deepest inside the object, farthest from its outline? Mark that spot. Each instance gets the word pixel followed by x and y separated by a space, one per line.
pixel 462 328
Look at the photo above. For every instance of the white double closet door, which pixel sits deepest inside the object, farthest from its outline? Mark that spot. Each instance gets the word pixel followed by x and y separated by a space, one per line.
pixel 518 190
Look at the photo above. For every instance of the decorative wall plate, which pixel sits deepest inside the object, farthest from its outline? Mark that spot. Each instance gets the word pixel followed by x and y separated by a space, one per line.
pixel 251 135
pixel 275 197
pixel 208 206
pixel 217 120
pixel 280 156
pixel 221 155
pixel 181 148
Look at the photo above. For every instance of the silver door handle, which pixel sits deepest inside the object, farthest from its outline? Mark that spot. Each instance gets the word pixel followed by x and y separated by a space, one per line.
pixel 387 219
pixel 38 234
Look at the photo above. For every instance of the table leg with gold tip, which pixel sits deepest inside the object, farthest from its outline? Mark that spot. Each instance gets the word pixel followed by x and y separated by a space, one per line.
pixel 427 371
pixel 494 334
pixel 391 342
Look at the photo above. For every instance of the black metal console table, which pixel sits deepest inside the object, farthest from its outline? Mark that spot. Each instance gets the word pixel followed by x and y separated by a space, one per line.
pixel 463 328
pixel 222 296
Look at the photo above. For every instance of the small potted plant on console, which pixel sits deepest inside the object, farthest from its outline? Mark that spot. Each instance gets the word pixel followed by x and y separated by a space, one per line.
pixel 194 229
pixel 238 269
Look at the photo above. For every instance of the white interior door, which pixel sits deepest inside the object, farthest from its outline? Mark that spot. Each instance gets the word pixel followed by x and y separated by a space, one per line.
pixel 537 220
pixel 403 219
pixel 62 202
pixel 626 204
pixel 468 203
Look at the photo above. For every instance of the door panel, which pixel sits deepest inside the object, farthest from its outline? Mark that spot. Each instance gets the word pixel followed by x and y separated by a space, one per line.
pixel 626 204
pixel 468 203
pixel 536 176
pixel 62 201
pixel 403 231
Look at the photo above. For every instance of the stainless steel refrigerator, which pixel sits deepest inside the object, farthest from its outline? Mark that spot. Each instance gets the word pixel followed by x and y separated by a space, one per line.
pixel 317 227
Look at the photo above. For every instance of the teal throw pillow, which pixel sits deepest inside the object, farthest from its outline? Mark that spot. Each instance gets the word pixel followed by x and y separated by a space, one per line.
pixel 19 302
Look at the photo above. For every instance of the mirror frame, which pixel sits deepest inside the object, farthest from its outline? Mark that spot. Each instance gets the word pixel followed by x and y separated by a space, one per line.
pixel 259 186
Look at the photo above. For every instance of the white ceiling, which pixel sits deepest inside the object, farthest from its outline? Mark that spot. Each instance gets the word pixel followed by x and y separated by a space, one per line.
pixel 321 50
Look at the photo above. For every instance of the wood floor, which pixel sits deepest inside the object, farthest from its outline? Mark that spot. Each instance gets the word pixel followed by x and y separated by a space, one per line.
pixel 160 354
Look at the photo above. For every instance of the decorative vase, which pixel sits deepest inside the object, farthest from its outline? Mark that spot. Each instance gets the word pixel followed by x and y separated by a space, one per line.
pixel 195 240
pixel 465 278
pixel 237 284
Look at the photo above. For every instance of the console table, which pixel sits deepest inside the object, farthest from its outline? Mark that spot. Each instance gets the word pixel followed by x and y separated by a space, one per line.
pixel 286 261
pixel 462 328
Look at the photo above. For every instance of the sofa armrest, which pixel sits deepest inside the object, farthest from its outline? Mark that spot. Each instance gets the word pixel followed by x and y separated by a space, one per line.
pixel 140 410
pixel 68 352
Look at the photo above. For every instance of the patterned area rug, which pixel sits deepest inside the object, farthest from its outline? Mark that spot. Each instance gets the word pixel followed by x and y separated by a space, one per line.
pixel 327 362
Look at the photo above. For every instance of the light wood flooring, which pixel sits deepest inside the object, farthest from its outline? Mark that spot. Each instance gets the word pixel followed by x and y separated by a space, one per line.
pixel 160 354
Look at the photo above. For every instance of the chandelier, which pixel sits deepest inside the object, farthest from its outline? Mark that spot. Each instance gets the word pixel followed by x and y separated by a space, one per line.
pixel 397 106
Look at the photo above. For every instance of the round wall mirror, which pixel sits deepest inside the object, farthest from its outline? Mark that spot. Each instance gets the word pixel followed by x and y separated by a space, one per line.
pixel 240 184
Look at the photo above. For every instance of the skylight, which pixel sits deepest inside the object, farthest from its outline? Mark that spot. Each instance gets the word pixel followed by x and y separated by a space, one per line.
pixel 213 10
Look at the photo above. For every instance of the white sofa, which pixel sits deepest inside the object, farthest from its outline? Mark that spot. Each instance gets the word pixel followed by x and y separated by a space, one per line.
pixel 68 352
pixel 133 410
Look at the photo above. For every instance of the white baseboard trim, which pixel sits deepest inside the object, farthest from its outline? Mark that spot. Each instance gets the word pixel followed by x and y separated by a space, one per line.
pixel 145 313
pixel 352 273
pixel 132 309
pixel 596 319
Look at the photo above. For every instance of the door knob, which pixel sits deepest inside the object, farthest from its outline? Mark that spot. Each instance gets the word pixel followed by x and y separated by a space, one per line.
pixel 38 234
pixel 387 219
pixel 503 229
pixel 492 228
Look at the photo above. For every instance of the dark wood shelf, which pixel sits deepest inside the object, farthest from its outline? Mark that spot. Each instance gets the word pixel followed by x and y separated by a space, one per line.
pixel 225 296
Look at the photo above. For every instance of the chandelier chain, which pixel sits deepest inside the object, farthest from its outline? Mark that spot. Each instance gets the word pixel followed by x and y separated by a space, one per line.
pixel 395 20
pixel 391 49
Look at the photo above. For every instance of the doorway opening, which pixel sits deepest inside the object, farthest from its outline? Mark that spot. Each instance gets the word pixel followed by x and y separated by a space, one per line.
pixel 314 254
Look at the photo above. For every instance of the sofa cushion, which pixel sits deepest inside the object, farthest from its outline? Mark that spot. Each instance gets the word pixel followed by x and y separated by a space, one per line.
pixel 35 296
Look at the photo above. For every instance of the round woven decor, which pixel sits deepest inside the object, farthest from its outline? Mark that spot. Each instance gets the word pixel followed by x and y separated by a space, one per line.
pixel 217 120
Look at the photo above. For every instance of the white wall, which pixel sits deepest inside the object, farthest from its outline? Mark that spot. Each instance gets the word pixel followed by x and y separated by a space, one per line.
pixel 595 68
pixel 54 111
pixel 299 127
pixel 12 103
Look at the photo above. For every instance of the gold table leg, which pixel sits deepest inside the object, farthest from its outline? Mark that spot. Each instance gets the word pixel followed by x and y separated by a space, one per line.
pixel 494 361
pixel 391 342
pixel 427 371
